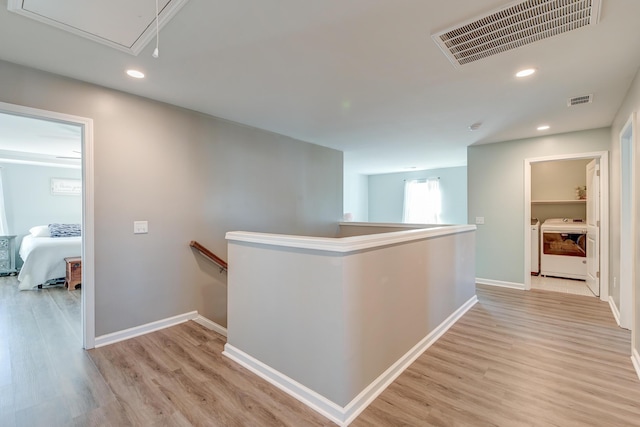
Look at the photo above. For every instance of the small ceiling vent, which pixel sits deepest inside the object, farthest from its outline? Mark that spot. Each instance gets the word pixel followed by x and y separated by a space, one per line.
pixel 516 25
pixel 577 100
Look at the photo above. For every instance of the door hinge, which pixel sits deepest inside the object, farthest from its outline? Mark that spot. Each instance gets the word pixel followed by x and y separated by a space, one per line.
pixel 598 172
pixel 598 223
pixel 597 274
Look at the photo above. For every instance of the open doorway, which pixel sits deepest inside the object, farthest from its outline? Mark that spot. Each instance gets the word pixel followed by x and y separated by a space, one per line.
pixel 601 211
pixel 84 128
pixel 628 227
pixel 560 216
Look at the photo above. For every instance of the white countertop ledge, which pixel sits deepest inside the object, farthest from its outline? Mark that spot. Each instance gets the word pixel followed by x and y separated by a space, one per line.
pixel 346 244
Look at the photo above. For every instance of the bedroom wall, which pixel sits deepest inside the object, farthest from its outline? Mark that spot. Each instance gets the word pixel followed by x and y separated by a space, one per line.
pixel 29 202
pixel 193 177
pixel 386 194
pixel 496 192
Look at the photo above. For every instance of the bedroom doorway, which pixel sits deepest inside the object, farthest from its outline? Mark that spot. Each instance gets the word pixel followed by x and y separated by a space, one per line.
pixel 59 186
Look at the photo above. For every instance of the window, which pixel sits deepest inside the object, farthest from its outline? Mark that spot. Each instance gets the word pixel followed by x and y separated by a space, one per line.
pixel 422 201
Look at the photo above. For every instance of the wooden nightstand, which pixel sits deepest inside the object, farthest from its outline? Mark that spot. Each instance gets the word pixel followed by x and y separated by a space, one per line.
pixel 74 272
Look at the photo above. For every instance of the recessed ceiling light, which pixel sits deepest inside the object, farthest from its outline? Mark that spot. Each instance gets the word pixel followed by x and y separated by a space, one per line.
pixel 543 127
pixel 135 74
pixel 526 72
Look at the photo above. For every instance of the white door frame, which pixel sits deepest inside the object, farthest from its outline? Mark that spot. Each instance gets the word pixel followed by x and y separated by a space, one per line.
pixel 604 214
pixel 88 262
pixel 628 230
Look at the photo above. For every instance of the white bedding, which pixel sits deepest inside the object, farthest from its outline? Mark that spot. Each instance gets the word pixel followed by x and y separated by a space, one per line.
pixel 44 258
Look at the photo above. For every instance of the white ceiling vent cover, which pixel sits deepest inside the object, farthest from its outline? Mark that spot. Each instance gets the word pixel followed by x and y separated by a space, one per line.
pixel 122 24
pixel 513 26
pixel 582 99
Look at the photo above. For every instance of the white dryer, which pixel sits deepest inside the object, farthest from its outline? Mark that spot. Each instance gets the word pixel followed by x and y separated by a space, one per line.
pixel 563 248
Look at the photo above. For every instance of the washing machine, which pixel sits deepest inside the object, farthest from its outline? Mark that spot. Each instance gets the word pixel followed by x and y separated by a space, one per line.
pixel 535 246
pixel 563 251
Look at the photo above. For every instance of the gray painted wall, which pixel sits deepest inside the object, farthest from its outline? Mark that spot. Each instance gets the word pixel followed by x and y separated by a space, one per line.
pixel 386 194
pixel 190 175
pixel 630 104
pixel 29 202
pixel 331 324
pixel 496 192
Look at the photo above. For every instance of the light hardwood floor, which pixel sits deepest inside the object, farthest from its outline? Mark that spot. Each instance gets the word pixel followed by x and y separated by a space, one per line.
pixel 516 359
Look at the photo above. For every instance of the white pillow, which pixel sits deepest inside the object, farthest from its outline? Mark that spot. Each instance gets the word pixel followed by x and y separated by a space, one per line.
pixel 40 231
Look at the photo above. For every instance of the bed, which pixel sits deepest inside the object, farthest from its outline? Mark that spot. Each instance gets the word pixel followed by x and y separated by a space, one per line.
pixel 44 256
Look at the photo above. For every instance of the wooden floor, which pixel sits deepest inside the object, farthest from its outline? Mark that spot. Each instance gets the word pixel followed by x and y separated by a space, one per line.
pixel 516 359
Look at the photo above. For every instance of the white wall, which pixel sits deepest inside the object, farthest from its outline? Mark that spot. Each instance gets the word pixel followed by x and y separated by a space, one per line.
pixel 29 202
pixel 386 194
pixel 356 196
pixel 557 180
pixel 193 177
pixel 496 192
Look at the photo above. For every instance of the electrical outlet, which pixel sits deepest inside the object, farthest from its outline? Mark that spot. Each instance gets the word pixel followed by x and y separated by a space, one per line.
pixel 140 227
pixel 479 220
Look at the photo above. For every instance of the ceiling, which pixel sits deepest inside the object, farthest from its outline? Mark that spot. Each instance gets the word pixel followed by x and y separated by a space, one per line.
pixel 361 76
pixel 30 140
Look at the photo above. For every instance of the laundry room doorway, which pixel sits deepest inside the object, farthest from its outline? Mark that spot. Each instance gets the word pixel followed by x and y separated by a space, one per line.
pixel 569 203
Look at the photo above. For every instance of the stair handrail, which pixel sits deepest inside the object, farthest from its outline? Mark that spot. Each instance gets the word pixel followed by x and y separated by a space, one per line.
pixel 208 254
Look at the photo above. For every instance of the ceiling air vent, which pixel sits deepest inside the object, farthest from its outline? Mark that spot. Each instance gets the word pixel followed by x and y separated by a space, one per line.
pixel 577 100
pixel 513 26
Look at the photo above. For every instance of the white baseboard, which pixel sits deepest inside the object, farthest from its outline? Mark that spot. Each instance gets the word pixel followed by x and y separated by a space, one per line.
pixel 210 324
pixel 290 386
pixel 343 416
pixel 369 394
pixel 136 331
pixel 614 310
pixel 635 359
pixel 500 283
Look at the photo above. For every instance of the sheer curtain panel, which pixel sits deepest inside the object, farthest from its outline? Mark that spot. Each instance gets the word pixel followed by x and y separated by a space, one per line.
pixel 422 201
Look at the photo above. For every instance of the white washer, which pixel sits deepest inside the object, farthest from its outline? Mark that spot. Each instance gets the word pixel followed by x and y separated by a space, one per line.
pixel 535 246
pixel 563 248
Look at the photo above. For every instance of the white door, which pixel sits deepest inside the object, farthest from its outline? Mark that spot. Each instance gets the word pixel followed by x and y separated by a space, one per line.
pixel 593 227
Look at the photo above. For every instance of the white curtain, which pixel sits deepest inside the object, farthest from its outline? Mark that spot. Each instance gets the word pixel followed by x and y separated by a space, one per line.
pixel 422 201
pixel 4 229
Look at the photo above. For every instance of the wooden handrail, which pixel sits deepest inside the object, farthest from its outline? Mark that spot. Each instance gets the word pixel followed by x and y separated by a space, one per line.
pixel 207 253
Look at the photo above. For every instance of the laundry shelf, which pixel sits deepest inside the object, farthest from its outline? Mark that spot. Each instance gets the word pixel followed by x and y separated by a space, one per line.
pixel 558 202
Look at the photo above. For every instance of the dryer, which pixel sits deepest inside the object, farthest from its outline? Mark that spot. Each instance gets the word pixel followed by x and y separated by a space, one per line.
pixel 563 250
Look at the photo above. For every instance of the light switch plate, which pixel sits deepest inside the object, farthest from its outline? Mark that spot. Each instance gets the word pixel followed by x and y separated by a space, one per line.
pixel 140 227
